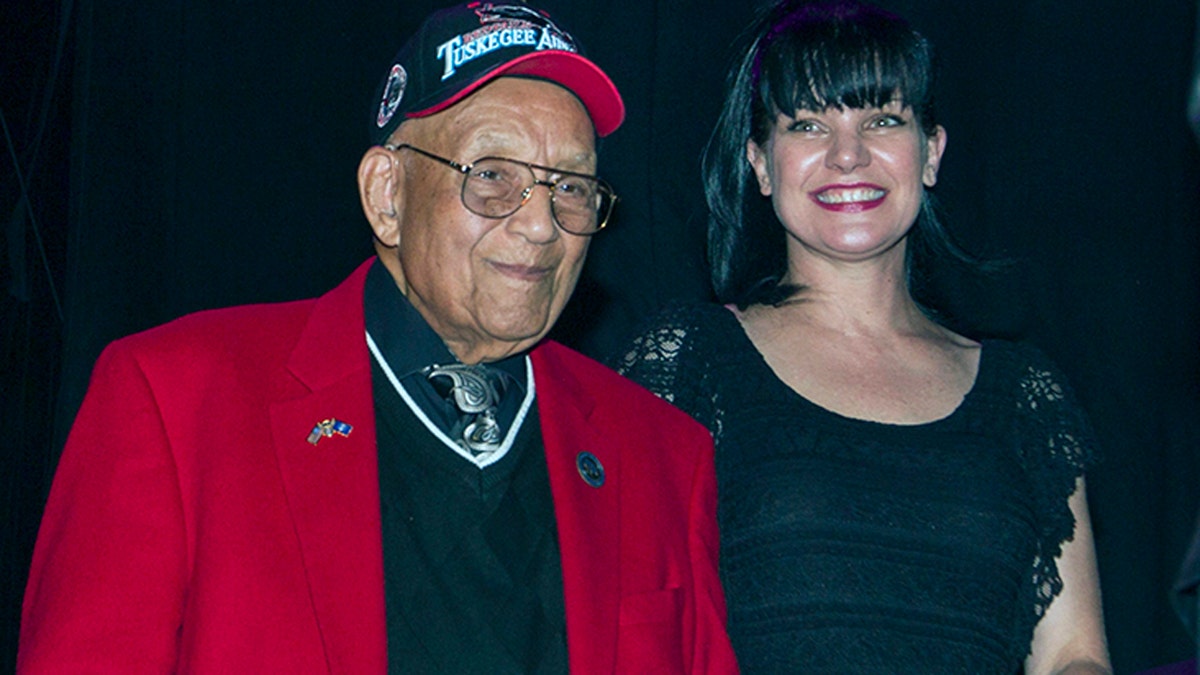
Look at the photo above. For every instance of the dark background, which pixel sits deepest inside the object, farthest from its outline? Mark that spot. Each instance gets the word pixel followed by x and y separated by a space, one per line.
pixel 165 157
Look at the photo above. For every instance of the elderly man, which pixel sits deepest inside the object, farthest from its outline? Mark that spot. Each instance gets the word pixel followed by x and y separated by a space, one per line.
pixel 401 475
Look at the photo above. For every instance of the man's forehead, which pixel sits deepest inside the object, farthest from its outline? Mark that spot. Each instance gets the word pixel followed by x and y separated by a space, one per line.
pixel 542 118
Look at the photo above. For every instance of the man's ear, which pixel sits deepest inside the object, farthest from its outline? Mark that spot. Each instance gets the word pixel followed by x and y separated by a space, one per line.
pixel 379 177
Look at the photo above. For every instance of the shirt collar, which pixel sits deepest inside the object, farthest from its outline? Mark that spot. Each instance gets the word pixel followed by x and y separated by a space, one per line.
pixel 404 337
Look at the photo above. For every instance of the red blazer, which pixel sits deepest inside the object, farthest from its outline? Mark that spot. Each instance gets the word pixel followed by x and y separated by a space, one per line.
pixel 192 527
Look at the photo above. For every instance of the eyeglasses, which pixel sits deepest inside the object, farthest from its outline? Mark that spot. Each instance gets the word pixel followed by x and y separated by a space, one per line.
pixel 496 187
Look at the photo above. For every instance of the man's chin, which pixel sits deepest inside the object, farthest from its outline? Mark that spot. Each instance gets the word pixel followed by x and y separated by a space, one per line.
pixel 501 338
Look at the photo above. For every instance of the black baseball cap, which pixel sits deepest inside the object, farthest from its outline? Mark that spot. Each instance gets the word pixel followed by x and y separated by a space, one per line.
pixel 459 49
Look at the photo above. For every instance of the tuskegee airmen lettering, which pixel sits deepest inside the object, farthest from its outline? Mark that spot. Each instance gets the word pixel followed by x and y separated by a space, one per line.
pixel 457 51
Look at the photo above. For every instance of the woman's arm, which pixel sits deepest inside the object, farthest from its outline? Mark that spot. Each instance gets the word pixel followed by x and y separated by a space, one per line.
pixel 1070 637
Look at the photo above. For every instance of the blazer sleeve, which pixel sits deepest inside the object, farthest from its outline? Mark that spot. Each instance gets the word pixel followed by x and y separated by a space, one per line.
pixel 106 589
pixel 710 649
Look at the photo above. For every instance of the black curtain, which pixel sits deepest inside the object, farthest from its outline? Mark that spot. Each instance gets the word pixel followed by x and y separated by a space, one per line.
pixel 198 155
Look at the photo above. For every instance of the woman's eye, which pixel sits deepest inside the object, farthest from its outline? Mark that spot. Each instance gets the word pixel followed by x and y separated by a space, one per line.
pixel 804 126
pixel 884 121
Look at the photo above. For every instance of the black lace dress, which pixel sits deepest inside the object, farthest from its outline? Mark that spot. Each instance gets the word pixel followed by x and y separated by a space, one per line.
pixel 850 546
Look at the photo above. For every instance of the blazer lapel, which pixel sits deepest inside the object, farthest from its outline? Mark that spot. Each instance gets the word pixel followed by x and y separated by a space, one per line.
pixel 588 517
pixel 332 485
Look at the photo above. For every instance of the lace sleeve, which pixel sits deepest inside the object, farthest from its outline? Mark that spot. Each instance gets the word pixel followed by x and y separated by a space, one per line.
pixel 664 358
pixel 1057 445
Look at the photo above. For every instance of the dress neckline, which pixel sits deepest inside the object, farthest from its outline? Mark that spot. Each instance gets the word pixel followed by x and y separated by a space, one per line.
pixel 967 401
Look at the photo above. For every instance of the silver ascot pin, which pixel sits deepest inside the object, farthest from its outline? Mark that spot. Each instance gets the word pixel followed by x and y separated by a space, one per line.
pixel 329 427
pixel 476 395
pixel 590 469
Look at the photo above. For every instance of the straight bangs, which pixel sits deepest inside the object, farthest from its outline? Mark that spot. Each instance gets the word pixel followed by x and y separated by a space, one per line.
pixel 843 62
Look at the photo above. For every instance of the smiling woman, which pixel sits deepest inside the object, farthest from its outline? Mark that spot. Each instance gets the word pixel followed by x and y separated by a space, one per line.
pixel 892 495
pixel 846 183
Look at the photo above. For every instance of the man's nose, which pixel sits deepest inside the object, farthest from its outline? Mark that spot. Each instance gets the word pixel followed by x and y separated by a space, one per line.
pixel 535 219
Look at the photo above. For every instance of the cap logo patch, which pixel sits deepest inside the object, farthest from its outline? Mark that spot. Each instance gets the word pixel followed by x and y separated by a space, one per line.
pixel 503 26
pixel 392 93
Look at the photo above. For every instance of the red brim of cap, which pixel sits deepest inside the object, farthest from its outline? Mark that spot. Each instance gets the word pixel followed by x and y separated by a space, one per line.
pixel 574 72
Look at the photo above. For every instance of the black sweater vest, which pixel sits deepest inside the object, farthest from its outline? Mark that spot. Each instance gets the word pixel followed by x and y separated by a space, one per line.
pixel 471 560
